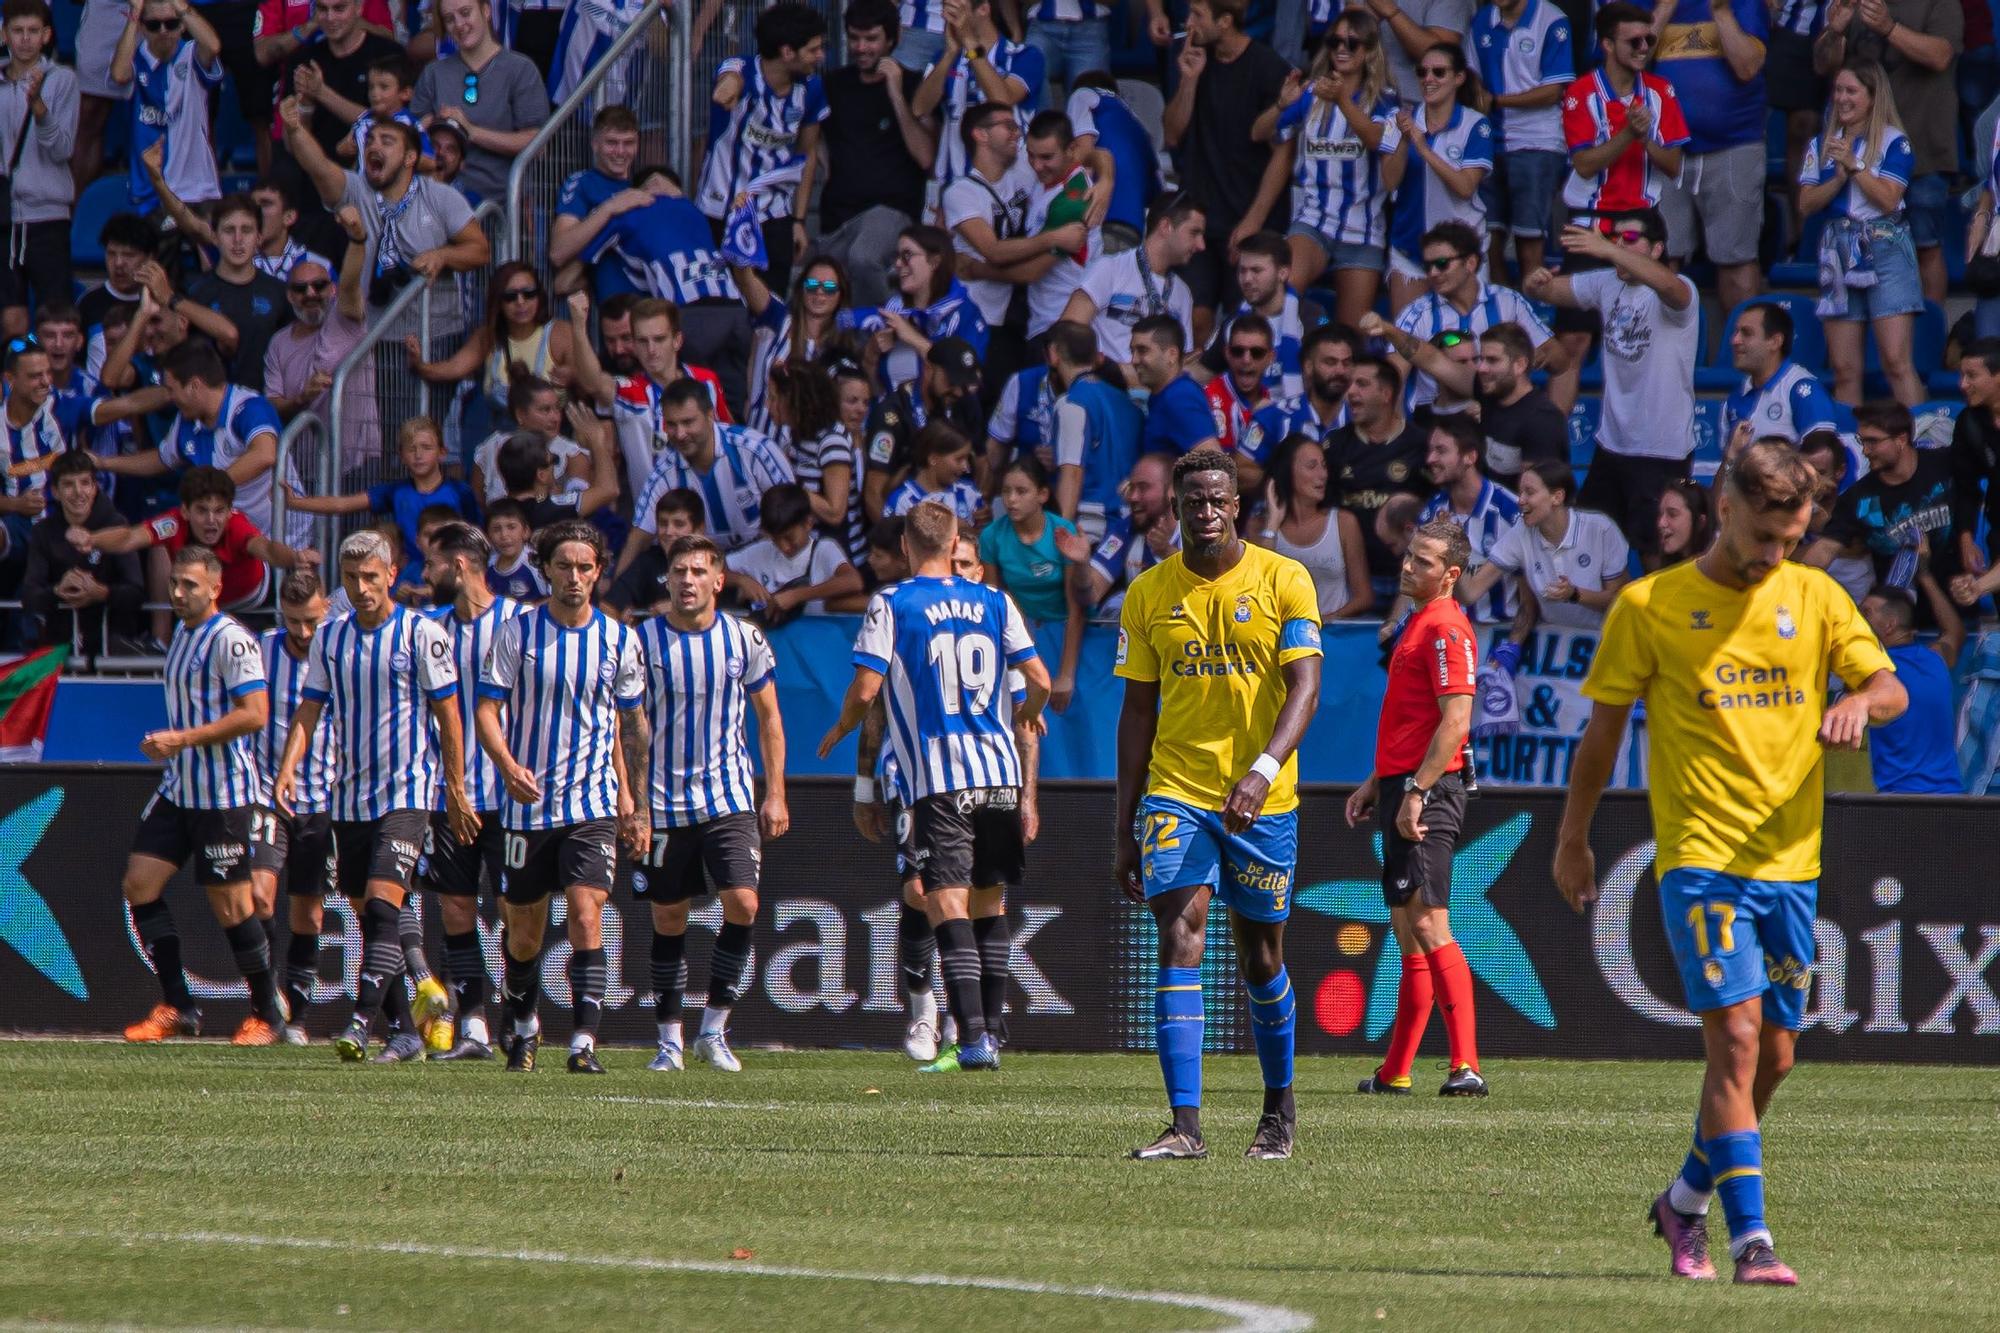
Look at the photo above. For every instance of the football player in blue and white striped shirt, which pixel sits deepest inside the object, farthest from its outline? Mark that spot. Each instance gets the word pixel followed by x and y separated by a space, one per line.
pixel 560 714
pixel 296 848
pixel 702 668
pixel 471 615
pixel 943 647
pixel 216 703
pixel 384 681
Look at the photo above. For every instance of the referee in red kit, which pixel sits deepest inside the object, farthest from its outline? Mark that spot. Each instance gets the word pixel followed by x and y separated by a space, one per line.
pixel 1419 775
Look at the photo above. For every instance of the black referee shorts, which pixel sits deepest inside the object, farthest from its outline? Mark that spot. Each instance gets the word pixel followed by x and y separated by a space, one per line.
pixel 218 841
pixel 1420 870
pixel 298 849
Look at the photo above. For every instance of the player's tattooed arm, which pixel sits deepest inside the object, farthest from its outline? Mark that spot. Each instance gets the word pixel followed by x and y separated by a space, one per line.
pixel 635 735
pixel 871 817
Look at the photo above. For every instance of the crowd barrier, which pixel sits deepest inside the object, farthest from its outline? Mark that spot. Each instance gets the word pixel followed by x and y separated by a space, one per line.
pixel 101 721
pixel 1908 934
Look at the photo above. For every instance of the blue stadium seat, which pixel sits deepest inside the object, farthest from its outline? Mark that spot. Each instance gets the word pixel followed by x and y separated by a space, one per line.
pixel 1943 386
pixel 1926 351
pixel 1808 338
pixel 1803 270
pixel 101 198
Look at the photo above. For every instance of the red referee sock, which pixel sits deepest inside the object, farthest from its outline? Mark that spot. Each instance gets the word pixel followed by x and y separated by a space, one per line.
pixel 1453 979
pixel 1413 1010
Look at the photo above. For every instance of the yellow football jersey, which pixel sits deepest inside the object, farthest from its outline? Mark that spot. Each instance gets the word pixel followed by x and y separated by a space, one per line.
pixel 1735 684
pixel 1216 647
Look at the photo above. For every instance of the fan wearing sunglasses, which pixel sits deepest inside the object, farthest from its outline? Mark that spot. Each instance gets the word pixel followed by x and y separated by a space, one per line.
pixel 1242 390
pixel 171 58
pixel 1460 300
pixel 519 334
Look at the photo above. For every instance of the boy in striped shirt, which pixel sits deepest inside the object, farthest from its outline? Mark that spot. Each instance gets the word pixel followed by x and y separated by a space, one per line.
pixel 702 668
pixel 384 681
pixel 559 714
pixel 215 705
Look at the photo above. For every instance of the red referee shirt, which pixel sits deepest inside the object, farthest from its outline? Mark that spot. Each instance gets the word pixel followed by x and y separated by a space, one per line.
pixel 1436 656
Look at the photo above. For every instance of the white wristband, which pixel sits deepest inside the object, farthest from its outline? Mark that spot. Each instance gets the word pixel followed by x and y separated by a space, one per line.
pixel 864 791
pixel 1266 768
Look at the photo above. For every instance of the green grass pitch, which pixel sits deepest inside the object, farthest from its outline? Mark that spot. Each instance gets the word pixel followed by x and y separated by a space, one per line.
pixel 201 1186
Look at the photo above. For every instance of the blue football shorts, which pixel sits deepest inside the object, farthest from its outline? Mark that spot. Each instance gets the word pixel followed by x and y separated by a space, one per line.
pixel 1734 938
pixel 1181 846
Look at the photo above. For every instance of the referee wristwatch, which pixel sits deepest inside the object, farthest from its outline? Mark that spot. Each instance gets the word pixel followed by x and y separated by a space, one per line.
pixel 1410 787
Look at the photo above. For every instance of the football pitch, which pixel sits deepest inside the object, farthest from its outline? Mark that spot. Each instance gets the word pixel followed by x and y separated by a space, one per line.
pixel 203 1186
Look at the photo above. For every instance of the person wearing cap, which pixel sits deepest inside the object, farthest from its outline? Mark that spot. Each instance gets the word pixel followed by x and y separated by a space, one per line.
pixel 948 390
pixel 730 466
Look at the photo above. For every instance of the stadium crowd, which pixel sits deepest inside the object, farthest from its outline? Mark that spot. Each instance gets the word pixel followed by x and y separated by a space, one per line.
pixel 1444 260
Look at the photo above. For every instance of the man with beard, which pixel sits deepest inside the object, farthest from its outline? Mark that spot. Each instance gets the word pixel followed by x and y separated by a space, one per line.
pixel 327 323
pixel 649 350
pixel 1523 424
pixel 471 616
pixel 1326 359
pixel 1208 783
pixel 416 228
pixel 1264 276
pixel 948 390
pixel 1133 542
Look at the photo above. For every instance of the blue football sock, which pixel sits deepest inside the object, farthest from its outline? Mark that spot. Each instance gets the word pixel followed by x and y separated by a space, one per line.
pixel 1273 1011
pixel 1178 1015
pixel 1738 1163
pixel 1691 1188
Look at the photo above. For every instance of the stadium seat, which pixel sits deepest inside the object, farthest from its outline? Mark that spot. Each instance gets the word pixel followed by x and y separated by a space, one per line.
pixel 1148 107
pixel 1803 269
pixel 1943 386
pixel 1808 338
pixel 1926 352
pixel 101 198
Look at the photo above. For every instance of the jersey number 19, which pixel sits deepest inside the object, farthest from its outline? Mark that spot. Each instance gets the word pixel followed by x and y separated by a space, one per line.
pixel 966 671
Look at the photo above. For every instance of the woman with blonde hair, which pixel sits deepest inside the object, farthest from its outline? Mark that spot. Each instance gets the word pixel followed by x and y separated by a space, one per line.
pixel 1337 137
pixel 1856 171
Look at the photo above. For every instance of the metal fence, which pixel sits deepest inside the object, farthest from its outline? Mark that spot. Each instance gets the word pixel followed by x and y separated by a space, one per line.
pixel 663 71
pixel 376 389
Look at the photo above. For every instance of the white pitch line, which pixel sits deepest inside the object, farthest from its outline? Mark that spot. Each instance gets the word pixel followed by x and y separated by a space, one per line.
pixel 1250 1316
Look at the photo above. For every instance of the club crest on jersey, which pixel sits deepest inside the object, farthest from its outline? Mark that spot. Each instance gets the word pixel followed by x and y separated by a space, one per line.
pixel 735 668
pixel 400 660
pixel 1787 627
pixel 1699 620
pixel 1243 608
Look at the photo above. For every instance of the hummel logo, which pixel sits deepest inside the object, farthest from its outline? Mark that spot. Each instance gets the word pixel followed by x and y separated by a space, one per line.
pixel 1699 620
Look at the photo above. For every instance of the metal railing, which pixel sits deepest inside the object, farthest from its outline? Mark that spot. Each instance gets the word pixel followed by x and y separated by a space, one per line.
pixel 375 390
pixel 645 70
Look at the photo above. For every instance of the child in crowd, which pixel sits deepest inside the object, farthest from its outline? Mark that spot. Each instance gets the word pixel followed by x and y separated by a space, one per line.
pixel 791 568
pixel 392 81
pixel 421 448
pixel 1018 548
pixel 510 572
pixel 942 458
pixel 642 589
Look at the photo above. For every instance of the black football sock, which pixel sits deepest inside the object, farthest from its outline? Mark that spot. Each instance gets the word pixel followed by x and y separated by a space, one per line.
pixel 470 986
pixel 381 960
pixel 270 925
pixel 995 940
pixel 253 960
pixel 301 971
pixel 410 930
pixel 155 921
pixel 523 982
pixel 916 944
pixel 958 956
pixel 586 990
pixel 1279 1101
pixel 670 976
pixel 727 964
